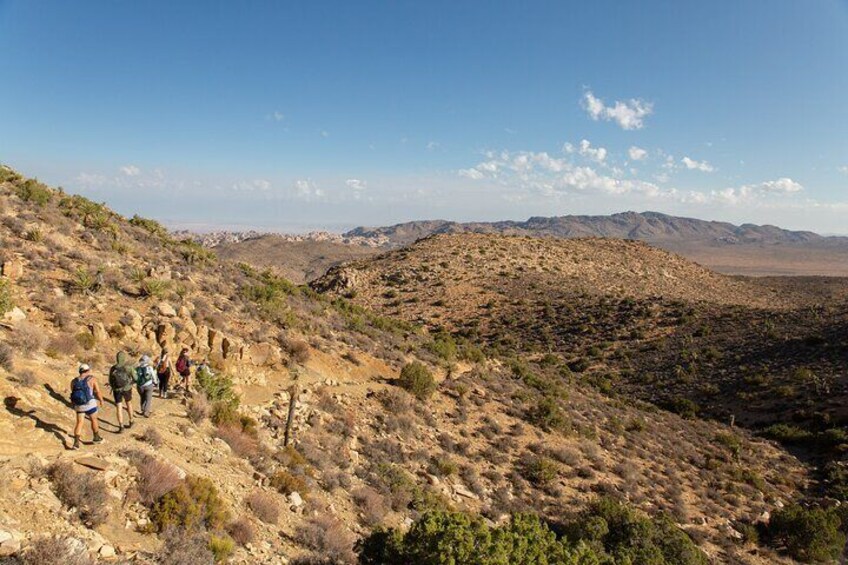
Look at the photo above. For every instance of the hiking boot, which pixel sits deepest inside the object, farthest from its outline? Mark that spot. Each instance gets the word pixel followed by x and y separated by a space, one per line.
pixel 76 443
pixel 97 438
pixel 128 426
pixel 120 429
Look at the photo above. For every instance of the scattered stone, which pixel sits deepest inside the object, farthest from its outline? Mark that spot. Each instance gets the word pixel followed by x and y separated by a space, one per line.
pixel 13 269
pixel 166 310
pixel 463 491
pixel 93 463
pixel 295 499
pixel 106 551
pixel 14 315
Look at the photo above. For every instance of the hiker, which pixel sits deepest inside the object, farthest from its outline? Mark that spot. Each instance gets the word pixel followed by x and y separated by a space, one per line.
pixel 163 372
pixel 85 396
pixel 184 369
pixel 145 379
pixel 121 379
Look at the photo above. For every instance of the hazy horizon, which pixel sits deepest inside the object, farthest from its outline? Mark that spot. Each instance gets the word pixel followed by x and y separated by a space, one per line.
pixel 329 115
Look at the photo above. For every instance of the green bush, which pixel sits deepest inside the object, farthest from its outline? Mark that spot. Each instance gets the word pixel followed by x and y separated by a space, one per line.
pixel 539 470
pixel 151 226
pixel 33 191
pixel 217 387
pixel 443 346
pixel 6 302
pixel 195 503
pixel 416 379
pixel 287 483
pixel 787 433
pixel 808 534
pixel 547 415
pixel 222 547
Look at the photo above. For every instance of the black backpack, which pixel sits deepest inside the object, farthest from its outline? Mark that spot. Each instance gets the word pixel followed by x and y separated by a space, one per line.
pixel 121 377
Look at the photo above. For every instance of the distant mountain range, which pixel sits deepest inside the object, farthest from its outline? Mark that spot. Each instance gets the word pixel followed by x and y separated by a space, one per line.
pixel 652 227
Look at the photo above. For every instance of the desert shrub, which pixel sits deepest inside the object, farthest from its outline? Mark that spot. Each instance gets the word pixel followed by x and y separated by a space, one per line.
pixel 539 470
pixel 25 378
pixel 329 538
pixel 372 504
pixel 156 478
pixel 154 288
pixel 152 436
pixel 443 346
pixel 298 350
pixel 56 551
pixel 416 379
pixel 287 483
pixel 808 534
pixel 6 302
pixel 84 281
pixel 62 344
pixel 241 530
pixel 27 338
pixel 34 235
pixel 194 503
pixel 151 226
pixel 462 539
pixel 216 386
pixel 836 480
pixel 619 530
pixel 241 443
pixel 264 506
pixel 84 491
pixel 7 357
pixel 196 254
pixel 86 340
pixel 787 433
pixel 222 546
pixel 684 407
pixel 547 415
pixel 33 191
pixel 185 547
pixel 197 409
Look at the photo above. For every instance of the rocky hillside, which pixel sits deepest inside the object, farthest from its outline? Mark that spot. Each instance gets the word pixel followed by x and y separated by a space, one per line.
pixel 645 226
pixel 394 427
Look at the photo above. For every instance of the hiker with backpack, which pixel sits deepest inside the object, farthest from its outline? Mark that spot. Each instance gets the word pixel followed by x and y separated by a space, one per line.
pixel 85 398
pixel 147 382
pixel 163 372
pixel 121 379
pixel 184 369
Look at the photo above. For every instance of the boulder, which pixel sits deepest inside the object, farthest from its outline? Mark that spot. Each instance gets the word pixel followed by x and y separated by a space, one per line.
pixel 264 354
pixel 98 330
pixel 14 316
pixel 132 320
pixel 295 499
pixel 106 551
pixel 166 310
pixel 13 269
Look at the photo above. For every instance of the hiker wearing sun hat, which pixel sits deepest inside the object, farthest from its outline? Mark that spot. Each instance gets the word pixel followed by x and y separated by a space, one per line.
pixel 145 378
pixel 85 397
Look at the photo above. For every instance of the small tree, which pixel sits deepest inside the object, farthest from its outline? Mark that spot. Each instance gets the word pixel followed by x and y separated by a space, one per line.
pixel 417 380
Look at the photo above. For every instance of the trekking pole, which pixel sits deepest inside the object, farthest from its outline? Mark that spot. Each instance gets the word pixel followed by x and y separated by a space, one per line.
pixel 293 394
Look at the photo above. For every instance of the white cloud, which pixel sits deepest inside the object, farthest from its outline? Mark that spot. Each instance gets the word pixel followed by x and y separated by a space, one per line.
pixel 306 189
pixel 276 116
pixel 629 115
pixel 694 165
pixel 756 193
pixel 130 170
pixel 472 174
pixel 843 170
pixel 597 154
pixel 433 145
pixel 252 185
pixel 356 184
pixel 637 153
pixel 325 133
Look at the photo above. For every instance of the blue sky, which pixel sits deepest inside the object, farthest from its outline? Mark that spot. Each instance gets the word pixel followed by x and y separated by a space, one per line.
pixel 301 115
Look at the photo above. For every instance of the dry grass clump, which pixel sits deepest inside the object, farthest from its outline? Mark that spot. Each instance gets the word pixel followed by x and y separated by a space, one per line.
pixel 153 437
pixel 155 478
pixel 84 491
pixel 329 538
pixel 297 349
pixel 241 530
pixel 264 506
pixel 56 551
pixel 287 483
pixel 185 547
pixel 62 345
pixel 198 408
pixel 372 504
pixel 242 443
pixel 7 357
pixel 27 338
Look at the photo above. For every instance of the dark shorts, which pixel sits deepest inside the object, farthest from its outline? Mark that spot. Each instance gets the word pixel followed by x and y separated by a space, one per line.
pixel 123 395
pixel 90 412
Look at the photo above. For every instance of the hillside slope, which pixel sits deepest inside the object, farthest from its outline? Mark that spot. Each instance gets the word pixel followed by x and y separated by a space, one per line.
pixel 490 435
